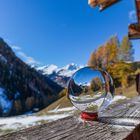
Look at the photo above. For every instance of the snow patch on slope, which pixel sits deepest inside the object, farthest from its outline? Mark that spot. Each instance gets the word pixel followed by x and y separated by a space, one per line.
pixel 66 109
pixel 5 103
pixel 2 58
pixel 27 121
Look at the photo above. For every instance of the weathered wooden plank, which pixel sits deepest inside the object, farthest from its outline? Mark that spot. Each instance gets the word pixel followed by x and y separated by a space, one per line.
pixel 71 128
pixel 115 123
pixel 125 113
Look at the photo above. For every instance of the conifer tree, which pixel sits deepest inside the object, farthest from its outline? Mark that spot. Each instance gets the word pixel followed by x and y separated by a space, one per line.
pixel 126 50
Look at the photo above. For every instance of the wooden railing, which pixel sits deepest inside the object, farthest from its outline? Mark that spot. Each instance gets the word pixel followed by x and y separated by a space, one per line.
pixel 119 121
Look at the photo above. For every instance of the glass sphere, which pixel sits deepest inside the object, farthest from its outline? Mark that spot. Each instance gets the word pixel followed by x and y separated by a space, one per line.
pixel 90 89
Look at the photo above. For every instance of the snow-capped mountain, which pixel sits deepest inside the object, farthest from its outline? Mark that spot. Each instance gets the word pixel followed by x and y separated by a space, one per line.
pixel 48 69
pixel 59 75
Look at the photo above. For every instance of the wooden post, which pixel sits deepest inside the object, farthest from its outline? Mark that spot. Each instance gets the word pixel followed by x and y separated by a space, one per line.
pixel 134 29
pixel 137 2
pixel 138 83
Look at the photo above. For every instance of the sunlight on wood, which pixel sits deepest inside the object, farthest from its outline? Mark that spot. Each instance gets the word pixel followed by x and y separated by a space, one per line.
pixel 103 4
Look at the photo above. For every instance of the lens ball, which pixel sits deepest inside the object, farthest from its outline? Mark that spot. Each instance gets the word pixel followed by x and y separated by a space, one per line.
pixel 90 89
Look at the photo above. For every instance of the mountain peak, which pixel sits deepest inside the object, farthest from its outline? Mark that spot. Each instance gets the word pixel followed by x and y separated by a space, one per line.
pixel 71 66
pixel 49 69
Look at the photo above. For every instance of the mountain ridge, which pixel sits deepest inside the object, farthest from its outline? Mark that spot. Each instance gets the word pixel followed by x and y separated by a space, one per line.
pixel 59 75
pixel 24 87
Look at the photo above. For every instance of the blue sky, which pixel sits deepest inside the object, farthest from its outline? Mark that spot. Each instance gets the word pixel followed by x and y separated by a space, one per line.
pixel 62 31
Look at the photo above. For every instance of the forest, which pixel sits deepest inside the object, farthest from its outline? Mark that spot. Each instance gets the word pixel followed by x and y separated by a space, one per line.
pixel 117 58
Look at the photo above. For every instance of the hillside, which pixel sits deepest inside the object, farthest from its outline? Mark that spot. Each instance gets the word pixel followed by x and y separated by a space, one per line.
pixel 22 88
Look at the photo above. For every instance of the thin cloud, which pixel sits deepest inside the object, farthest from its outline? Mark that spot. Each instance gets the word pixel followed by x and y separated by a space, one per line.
pixel 29 60
pixel 132 16
pixel 16 48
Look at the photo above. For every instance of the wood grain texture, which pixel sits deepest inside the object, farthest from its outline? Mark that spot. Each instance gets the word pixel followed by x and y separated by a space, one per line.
pixel 71 129
pixel 115 123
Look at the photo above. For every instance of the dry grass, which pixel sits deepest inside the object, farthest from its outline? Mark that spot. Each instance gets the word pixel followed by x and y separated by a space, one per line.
pixel 129 92
pixel 62 103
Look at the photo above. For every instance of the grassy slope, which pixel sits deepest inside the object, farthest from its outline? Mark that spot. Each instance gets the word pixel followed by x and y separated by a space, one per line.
pixel 64 101
pixel 61 103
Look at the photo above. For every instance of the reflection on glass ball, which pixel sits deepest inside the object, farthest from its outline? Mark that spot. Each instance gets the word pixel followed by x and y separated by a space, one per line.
pixel 90 89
